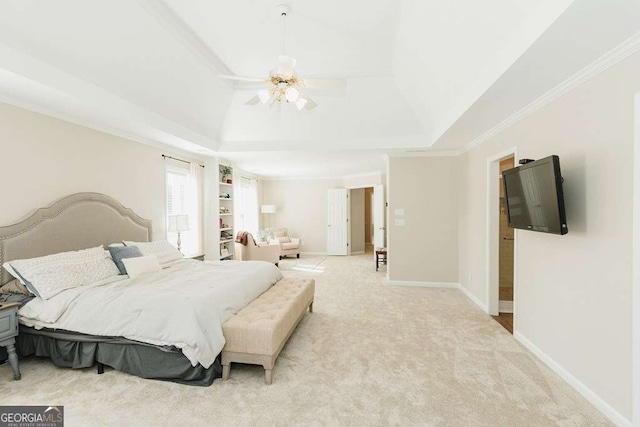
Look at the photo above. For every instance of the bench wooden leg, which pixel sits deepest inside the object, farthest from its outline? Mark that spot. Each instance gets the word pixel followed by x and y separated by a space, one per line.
pixel 268 376
pixel 311 307
pixel 226 370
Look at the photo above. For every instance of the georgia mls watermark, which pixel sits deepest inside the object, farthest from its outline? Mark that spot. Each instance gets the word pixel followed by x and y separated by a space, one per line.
pixel 31 416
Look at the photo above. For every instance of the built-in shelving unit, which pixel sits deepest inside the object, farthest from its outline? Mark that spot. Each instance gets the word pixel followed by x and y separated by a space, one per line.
pixel 225 214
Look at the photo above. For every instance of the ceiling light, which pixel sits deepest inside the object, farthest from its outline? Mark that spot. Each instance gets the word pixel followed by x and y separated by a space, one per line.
pixel 300 103
pixel 283 83
pixel 264 95
pixel 292 94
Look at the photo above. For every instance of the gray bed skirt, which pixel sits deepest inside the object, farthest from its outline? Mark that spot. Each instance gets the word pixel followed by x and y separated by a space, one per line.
pixel 73 350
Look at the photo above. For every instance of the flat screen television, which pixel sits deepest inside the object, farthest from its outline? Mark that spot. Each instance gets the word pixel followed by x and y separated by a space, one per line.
pixel 534 196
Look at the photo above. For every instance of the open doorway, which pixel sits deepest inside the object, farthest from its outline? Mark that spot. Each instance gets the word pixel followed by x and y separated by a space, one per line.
pixel 498 239
pixel 505 255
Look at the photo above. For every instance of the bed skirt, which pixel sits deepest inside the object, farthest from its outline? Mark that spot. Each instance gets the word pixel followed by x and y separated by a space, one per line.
pixel 73 350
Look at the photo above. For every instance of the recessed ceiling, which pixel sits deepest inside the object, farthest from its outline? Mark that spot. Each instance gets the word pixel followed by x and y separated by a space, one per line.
pixel 421 75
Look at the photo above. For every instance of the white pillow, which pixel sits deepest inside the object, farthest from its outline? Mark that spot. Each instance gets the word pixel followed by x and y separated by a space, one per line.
pixel 163 250
pixel 141 265
pixel 49 275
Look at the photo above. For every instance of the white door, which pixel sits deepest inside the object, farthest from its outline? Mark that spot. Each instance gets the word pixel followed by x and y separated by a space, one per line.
pixel 379 240
pixel 337 221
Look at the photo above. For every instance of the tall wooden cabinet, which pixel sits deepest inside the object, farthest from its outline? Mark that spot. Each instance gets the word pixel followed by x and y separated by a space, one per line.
pixel 225 214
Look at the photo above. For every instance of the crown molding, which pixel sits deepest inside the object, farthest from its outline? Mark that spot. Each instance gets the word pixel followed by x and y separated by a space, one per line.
pixel 424 153
pixel 170 21
pixel 187 149
pixel 606 61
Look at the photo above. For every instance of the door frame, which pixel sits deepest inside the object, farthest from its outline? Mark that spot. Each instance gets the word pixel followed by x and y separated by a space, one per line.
pixel 493 230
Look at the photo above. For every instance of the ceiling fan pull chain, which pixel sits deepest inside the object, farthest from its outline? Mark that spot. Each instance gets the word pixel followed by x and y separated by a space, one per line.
pixel 283 13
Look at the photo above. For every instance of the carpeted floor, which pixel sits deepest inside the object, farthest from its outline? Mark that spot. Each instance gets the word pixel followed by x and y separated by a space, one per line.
pixel 370 354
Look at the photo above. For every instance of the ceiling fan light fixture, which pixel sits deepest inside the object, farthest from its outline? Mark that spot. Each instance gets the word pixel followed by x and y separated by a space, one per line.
pixel 264 95
pixel 292 94
pixel 300 103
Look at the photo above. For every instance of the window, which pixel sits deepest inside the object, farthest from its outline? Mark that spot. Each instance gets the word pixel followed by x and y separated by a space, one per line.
pixel 182 199
pixel 246 206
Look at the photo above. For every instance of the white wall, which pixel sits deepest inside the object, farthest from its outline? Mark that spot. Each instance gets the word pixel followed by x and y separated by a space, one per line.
pixel 302 209
pixel 425 249
pixel 44 159
pixel 356 220
pixel 573 293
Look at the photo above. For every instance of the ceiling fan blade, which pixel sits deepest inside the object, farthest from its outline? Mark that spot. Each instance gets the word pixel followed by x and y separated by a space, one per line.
pixel 253 101
pixel 310 105
pixel 243 79
pixel 325 83
pixel 286 65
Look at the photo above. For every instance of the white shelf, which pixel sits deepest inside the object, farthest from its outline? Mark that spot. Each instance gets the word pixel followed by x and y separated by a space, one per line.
pixel 225 234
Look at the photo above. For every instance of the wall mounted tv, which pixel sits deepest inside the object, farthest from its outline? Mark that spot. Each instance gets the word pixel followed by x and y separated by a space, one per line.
pixel 534 196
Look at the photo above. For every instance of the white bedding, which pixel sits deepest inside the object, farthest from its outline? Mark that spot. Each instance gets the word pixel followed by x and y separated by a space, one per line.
pixel 183 305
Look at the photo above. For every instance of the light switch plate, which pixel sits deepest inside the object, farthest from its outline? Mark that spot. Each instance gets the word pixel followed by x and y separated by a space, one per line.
pixel 400 222
pixel 399 212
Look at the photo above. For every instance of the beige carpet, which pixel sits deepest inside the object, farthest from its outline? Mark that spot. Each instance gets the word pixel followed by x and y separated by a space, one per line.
pixel 370 354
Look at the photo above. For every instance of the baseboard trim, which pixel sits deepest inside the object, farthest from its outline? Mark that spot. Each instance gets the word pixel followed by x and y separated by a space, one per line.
pixel 422 284
pixel 616 417
pixel 358 253
pixel 473 298
pixel 505 306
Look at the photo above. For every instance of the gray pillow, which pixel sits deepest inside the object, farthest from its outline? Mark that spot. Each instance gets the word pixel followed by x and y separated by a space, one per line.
pixel 118 253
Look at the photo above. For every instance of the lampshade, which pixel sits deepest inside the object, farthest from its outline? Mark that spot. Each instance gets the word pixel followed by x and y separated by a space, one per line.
pixel 264 95
pixel 300 103
pixel 178 223
pixel 292 94
pixel 268 209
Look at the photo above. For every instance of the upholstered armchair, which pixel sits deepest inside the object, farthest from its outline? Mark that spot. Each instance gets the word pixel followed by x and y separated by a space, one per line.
pixel 288 245
pixel 252 252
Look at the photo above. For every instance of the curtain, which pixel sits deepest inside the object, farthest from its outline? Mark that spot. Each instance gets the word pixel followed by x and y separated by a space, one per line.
pixel 195 202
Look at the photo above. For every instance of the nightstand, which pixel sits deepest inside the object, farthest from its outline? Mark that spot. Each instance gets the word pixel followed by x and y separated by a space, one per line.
pixel 9 332
pixel 197 257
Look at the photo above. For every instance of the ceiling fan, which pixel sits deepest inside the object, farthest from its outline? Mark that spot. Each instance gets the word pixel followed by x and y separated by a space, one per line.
pixel 283 85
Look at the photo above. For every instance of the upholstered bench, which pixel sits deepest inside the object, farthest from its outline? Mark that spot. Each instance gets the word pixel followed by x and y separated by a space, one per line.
pixel 257 334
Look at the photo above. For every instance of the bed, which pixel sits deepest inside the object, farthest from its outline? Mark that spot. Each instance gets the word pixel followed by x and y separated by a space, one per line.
pixel 164 325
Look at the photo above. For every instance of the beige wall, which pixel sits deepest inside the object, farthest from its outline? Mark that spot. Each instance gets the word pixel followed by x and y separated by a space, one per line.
pixel 356 219
pixel 572 293
pixel 302 206
pixel 368 215
pixel 302 209
pixel 44 159
pixel 426 248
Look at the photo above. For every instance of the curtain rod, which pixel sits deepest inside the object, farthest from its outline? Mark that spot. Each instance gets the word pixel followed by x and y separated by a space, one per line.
pixel 179 160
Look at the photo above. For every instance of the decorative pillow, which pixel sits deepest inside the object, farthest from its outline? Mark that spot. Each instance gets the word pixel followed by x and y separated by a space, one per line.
pixel 118 253
pixel 279 233
pixel 49 275
pixel 141 265
pixel 15 287
pixel 284 239
pixel 163 250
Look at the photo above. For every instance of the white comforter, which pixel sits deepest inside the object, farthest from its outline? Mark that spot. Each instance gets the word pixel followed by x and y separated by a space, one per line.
pixel 184 305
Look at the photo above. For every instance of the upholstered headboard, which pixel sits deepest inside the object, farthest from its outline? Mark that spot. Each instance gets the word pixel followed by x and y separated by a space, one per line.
pixel 78 221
